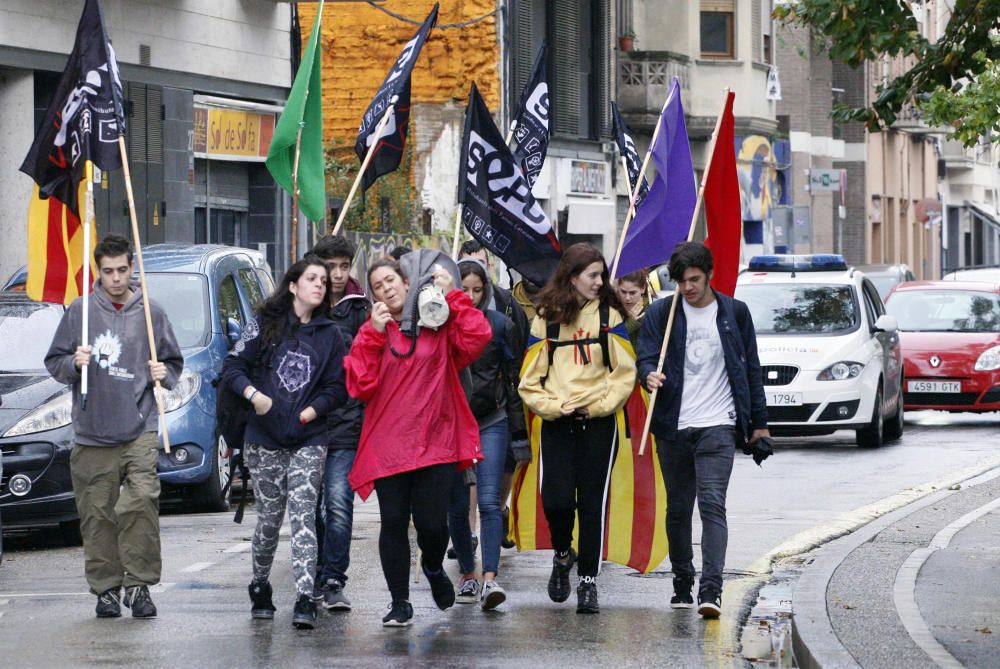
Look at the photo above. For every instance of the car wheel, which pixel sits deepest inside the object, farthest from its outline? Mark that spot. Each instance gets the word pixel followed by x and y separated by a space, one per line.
pixel 871 435
pixel 70 531
pixel 894 424
pixel 208 495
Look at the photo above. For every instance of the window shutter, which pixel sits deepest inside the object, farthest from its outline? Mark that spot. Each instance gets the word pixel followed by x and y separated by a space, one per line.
pixel 719 5
pixel 757 37
pixel 137 124
pixel 565 82
pixel 524 39
pixel 154 125
pixel 605 68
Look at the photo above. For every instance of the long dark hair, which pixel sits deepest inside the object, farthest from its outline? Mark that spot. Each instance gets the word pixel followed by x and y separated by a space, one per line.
pixel 557 301
pixel 273 313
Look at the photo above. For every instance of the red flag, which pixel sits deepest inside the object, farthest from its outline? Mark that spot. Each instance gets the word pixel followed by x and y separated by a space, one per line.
pixel 722 205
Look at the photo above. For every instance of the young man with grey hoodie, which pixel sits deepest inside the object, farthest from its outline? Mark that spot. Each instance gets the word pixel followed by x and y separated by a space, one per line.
pixel 113 463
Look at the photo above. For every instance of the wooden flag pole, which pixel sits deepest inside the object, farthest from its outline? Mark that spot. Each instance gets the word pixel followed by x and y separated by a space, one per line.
pixel 638 185
pixel 294 242
pixel 364 165
pixel 157 388
pixel 677 296
pixel 458 214
pixel 88 216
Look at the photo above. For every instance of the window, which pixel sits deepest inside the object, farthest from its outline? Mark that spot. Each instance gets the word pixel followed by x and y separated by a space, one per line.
pixel 229 302
pixel 717 19
pixel 250 286
pixel 801 309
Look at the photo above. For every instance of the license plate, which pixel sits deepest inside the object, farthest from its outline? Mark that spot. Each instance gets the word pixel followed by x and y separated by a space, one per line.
pixel 934 386
pixel 784 399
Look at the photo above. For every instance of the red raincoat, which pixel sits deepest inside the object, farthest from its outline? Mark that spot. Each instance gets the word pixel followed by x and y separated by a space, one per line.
pixel 416 413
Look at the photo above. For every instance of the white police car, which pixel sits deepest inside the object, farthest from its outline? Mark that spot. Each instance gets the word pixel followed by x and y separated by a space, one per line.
pixel 830 356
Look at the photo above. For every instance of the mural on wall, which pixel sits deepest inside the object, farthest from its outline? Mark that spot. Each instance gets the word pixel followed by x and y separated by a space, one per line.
pixel 762 166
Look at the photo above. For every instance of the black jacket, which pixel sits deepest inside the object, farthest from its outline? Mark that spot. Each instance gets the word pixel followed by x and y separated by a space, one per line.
pixel 305 368
pixel 344 423
pixel 739 348
pixel 508 306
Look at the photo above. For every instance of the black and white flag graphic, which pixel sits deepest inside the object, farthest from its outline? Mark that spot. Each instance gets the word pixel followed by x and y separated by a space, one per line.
pixel 531 123
pixel 498 208
pixel 626 146
pixel 395 89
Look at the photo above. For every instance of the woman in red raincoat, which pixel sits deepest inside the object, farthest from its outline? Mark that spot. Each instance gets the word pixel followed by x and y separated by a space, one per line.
pixel 418 426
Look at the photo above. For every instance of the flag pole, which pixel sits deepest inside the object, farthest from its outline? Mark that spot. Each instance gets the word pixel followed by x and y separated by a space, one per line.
pixel 364 165
pixel 294 242
pixel 638 184
pixel 85 336
pixel 157 388
pixel 675 300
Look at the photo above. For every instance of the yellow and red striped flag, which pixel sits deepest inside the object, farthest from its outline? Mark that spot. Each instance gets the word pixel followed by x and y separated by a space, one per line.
pixel 635 504
pixel 55 249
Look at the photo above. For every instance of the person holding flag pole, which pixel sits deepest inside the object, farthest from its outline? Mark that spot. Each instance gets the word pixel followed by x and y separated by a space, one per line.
pixel 384 126
pixel 713 399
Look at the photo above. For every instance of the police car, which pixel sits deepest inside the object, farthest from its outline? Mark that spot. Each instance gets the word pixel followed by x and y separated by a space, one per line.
pixel 830 355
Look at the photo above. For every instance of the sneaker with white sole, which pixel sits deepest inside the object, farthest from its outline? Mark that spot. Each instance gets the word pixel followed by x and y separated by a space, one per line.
pixel 709 604
pixel 468 592
pixel 493 596
pixel 682 598
pixel 333 596
pixel 400 614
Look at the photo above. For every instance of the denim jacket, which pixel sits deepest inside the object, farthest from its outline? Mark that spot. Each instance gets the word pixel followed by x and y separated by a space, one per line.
pixel 739 347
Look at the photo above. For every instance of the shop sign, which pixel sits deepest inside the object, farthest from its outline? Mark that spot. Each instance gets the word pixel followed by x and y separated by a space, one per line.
pixel 232 134
pixel 588 178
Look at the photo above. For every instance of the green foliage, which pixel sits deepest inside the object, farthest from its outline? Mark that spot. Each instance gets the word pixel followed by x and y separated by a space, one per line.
pixel 953 79
pixel 365 213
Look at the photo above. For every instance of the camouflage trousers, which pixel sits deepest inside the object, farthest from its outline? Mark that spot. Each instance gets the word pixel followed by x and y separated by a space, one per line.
pixel 283 477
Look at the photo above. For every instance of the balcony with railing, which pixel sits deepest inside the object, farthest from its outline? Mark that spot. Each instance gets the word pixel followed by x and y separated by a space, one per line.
pixel 644 79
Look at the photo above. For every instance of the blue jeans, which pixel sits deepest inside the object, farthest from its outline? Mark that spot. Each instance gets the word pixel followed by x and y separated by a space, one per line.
pixel 338 515
pixel 489 475
pixel 697 464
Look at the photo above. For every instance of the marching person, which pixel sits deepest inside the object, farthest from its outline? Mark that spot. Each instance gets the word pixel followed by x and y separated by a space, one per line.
pixel 497 407
pixel 575 386
pixel 711 399
pixel 350 311
pixel 633 292
pixel 113 462
pixel 289 365
pixel 418 427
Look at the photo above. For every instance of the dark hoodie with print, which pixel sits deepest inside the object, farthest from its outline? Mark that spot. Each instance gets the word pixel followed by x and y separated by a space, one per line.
pixel 304 368
pixel 120 403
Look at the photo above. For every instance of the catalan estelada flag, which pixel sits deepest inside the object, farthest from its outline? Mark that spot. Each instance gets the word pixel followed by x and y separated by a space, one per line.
pixel 635 505
pixel 80 130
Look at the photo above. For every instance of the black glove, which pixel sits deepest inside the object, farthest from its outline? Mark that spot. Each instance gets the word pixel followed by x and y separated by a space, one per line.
pixel 761 449
pixel 520 447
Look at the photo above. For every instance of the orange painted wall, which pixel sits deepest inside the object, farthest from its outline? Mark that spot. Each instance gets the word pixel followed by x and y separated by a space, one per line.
pixel 360 44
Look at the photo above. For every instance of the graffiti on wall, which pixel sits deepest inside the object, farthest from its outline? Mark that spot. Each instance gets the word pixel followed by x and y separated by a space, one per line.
pixel 374 245
pixel 762 165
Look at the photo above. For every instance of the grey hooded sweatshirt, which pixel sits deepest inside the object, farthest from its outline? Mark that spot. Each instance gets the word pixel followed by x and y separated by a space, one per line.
pixel 120 404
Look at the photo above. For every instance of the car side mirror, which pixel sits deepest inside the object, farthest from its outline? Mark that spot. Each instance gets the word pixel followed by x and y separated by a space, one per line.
pixel 886 323
pixel 233 331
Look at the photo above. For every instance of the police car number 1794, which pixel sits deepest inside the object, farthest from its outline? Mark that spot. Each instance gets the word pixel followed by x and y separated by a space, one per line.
pixel 784 399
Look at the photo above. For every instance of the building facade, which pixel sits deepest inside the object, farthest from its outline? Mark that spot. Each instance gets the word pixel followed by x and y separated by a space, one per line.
pixel 203 82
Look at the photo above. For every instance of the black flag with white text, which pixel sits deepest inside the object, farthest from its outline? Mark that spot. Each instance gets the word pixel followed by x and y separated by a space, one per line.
pixel 531 122
pixel 626 147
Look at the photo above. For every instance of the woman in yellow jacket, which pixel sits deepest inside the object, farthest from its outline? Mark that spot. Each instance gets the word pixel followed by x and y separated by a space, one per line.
pixel 569 382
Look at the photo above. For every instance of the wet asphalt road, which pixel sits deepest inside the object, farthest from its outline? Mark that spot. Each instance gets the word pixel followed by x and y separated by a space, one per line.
pixel 46 615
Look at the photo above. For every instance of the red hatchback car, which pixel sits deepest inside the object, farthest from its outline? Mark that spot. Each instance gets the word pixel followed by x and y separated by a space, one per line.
pixel 950 335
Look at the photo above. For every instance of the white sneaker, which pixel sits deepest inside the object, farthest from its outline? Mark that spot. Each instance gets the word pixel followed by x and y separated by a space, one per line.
pixel 468 592
pixel 492 597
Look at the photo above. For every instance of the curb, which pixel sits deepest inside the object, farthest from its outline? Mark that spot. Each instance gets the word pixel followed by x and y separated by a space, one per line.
pixel 814 641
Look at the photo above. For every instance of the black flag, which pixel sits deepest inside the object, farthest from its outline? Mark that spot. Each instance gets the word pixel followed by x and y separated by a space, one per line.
pixel 626 147
pixel 391 142
pixel 85 118
pixel 498 208
pixel 531 123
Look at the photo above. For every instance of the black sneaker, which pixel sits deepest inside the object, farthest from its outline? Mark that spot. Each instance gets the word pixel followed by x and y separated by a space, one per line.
pixel 586 596
pixel 400 614
pixel 452 555
pixel 333 596
pixel 109 604
pixel 304 615
pixel 559 580
pixel 441 588
pixel 137 598
pixel 506 541
pixel 260 597
pixel 709 604
pixel 682 598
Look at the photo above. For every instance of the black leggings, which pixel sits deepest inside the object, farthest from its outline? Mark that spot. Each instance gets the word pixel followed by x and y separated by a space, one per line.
pixel 576 459
pixel 426 493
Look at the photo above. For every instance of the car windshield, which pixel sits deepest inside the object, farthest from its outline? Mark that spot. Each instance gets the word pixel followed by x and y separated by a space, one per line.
pixel 795 309
pixel 945 311
pixel 26 331
pixel 185 299
pixel 883 283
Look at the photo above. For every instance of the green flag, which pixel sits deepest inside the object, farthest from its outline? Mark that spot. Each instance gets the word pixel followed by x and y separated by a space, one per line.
pixel 305 108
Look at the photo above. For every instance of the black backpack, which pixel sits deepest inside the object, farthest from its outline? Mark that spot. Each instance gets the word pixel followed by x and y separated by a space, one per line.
pixel 552 340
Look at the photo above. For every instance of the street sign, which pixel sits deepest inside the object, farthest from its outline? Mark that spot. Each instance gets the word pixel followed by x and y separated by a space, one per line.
pixel 824 180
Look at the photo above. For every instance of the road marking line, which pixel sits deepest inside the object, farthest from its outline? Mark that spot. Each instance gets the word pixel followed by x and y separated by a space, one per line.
pixel 805 541
pixel 197 566
pixel 28 595
pixel 904 588
pixel 238 548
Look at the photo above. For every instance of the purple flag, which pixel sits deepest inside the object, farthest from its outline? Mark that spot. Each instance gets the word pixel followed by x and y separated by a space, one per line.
pixel 665 216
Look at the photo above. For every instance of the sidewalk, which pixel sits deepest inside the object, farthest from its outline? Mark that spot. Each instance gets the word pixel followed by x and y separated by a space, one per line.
pixel 918 587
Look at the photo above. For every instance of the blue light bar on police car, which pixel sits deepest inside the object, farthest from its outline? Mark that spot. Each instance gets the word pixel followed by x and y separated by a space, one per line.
pixel 817 262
